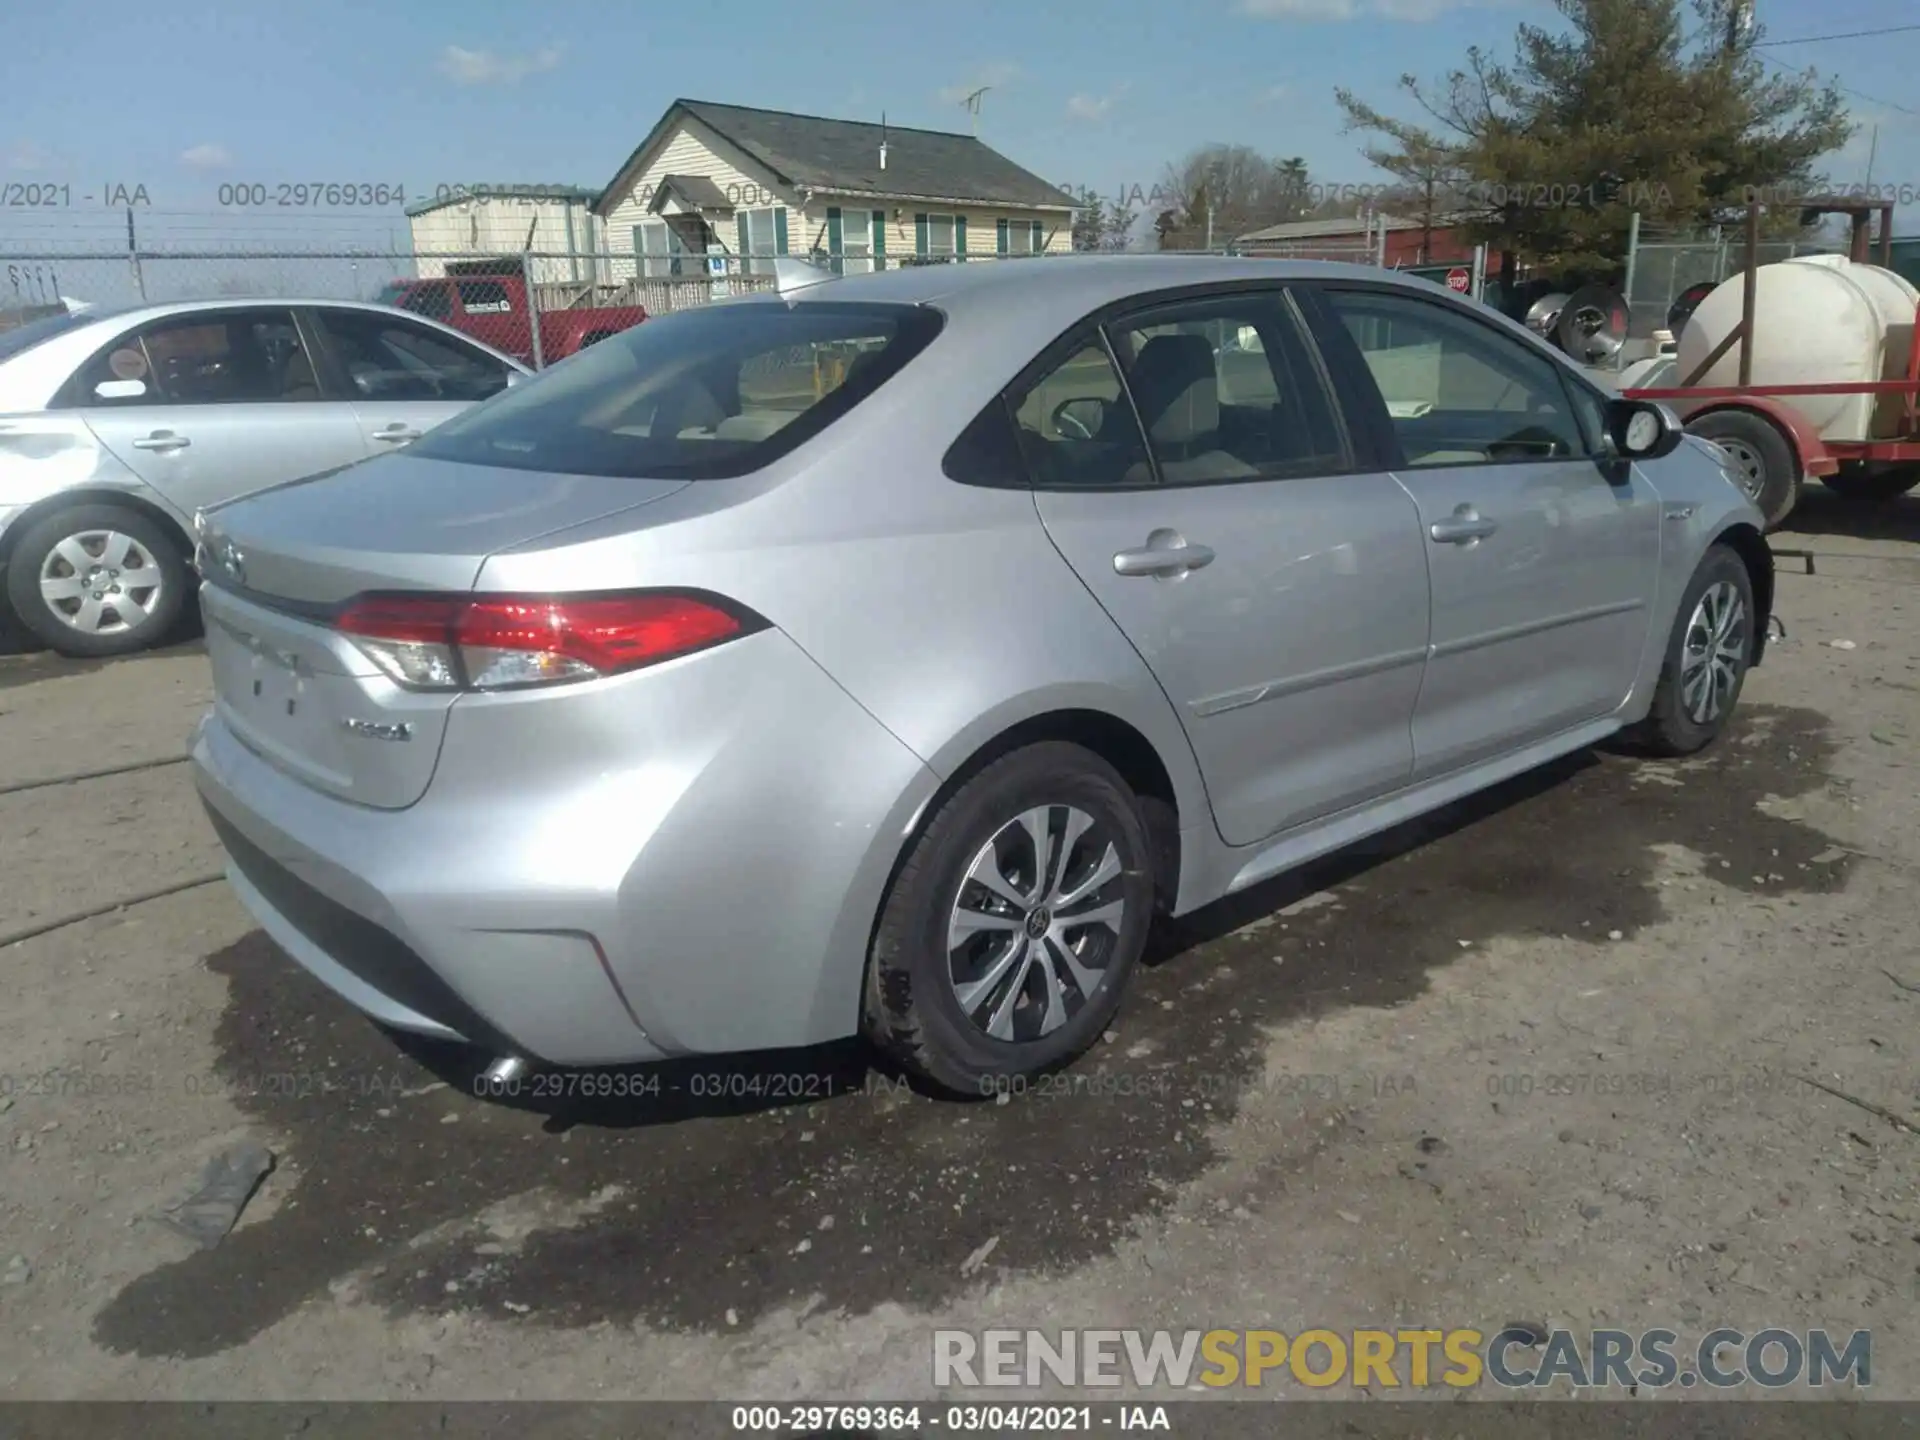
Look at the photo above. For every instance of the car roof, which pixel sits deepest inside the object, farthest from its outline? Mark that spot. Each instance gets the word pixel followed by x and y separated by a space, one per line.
pixel 160 309
pixel 1083 282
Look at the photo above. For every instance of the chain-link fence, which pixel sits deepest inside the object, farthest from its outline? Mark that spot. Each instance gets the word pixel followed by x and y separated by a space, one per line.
pixel 534 302
pixel 1351 252
pixel 535 305
pixel 1662 266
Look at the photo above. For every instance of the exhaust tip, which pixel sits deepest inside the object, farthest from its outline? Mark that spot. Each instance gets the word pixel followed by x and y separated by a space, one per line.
pixel 507 1070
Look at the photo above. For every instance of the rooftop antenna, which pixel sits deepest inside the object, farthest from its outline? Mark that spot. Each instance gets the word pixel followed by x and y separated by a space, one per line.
pixel 883 139
pixel 972 104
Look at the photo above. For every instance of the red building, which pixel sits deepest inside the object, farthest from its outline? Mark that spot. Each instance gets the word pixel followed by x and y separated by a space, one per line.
pixel 1381 239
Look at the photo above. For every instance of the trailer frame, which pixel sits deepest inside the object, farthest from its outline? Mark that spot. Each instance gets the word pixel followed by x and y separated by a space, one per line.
pixel 1812 455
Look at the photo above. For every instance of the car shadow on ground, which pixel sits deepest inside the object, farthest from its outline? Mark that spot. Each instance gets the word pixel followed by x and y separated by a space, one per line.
pixel 805 1179
pixel 718 1087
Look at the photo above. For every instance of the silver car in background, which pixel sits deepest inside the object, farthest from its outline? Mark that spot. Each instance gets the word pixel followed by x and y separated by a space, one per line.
pixel 117 425
pixel 883 656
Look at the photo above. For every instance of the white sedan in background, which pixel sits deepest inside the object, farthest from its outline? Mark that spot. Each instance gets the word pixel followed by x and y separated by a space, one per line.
pixel 116 425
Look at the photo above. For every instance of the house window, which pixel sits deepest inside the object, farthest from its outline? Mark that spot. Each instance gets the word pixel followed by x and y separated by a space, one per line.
pixel 850 240
pixel 938 239
pixel 760 235
pixel 661 250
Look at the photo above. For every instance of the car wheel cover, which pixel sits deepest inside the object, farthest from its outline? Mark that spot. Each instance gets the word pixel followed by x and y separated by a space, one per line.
pixel 1713 653
pixel 1751 468
pixel 102 582
pixel 1036 923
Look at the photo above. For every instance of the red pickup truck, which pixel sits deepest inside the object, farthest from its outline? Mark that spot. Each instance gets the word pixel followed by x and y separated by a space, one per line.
pixel 488 299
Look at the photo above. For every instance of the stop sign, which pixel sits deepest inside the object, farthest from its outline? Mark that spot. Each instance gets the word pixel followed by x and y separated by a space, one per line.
pixel 1459 280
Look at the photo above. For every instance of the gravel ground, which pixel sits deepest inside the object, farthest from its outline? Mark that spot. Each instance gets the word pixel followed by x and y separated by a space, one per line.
pixel 1544 1057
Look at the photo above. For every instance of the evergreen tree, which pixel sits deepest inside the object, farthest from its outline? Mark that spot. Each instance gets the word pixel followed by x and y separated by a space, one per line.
pixel 1620 109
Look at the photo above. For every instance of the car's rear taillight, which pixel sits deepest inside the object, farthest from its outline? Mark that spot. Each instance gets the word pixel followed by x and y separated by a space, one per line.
pixel 498 642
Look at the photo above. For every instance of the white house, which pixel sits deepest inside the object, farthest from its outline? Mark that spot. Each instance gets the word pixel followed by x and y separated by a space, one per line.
pixel 750 184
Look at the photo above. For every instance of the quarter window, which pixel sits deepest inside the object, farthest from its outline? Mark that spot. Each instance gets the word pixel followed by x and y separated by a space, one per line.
pixel 1459 392
pixel 1077 430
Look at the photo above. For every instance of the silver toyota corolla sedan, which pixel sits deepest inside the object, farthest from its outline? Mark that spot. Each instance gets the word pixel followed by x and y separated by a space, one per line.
pixel 882 656
pixel 116 425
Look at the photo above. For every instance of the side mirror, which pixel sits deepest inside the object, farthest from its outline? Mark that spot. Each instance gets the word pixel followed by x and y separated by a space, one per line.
pixel 120 389
pixel 1081 418
pixel 1643 429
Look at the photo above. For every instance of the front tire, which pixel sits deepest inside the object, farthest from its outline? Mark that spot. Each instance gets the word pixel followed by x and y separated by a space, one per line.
pixel 1708 655
pixel 1014 924
pixel 97 580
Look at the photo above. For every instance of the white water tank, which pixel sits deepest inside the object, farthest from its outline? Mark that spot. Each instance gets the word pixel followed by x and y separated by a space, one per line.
pixel 1818 320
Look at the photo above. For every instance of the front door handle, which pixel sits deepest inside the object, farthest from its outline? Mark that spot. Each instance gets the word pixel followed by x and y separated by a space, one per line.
pixel 1165 554
pixel 1466 526
pixel 397 434
pixel 164 441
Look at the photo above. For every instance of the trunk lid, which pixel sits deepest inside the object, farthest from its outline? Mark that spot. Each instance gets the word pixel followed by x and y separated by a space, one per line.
pixel 278 562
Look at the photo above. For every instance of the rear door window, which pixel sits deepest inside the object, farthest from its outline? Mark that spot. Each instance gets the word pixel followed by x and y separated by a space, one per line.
pixel 699 394
pixel 221 357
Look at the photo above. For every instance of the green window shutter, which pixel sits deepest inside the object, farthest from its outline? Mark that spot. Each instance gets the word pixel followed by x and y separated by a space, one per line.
pixel 740 231
pixel 920 233
pixel 639 240
pixel 1000 235
pixel 1039 238
pixel 836 232
pixel 960 236
pixel 780 231
pixel 879 239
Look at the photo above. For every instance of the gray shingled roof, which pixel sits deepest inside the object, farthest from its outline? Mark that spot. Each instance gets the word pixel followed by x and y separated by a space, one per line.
pixel 843 156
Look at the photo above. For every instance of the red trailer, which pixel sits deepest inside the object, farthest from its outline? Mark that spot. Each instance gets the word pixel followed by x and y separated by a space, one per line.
pixel 1773 441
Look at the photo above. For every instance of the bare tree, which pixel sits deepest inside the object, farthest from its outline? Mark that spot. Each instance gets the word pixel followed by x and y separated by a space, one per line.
pixel 1224 191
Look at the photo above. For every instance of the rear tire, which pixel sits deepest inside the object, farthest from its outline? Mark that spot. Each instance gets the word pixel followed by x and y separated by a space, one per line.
pixel 1765 456
pixel 1865 486
pixel 52 563
pixel 1711 645
pixel 972 982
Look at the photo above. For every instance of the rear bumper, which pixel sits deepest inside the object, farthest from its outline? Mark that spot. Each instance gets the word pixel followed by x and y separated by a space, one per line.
pixel 686 860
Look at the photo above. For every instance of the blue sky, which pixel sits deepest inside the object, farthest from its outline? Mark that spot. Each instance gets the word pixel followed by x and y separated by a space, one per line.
pixel 182 97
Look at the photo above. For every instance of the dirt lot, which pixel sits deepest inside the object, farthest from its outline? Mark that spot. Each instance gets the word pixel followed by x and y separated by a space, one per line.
pixel 1538 1059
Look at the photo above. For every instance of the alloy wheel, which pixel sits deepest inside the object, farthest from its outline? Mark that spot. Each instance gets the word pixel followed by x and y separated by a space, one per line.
pixel 1038 917
pixel 1713 653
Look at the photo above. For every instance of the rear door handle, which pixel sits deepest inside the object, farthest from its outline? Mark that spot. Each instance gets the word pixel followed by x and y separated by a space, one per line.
pixel 1466 526
pixel 397 434
pixel 165 441
pixel 1162 556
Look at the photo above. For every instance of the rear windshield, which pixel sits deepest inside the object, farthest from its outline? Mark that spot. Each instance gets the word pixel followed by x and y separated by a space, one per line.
pixel 697 395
